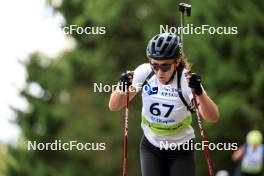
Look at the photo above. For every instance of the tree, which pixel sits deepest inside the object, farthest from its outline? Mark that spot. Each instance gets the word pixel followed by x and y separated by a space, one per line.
pixel 66 107
pixel 232 69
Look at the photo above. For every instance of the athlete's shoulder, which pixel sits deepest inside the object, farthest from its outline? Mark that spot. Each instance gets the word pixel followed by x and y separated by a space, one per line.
pixel 141 73
pixel 185 71
pixel 143 68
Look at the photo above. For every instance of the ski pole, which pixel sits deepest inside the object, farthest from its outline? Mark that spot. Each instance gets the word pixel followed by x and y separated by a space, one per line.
pixel 183 7
pixel 124 173
pixel 203 135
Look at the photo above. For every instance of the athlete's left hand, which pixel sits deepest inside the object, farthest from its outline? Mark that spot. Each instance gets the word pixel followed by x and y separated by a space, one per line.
pixel 195 83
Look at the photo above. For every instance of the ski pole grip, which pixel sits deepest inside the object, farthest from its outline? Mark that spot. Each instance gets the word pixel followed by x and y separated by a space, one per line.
pixel 183 7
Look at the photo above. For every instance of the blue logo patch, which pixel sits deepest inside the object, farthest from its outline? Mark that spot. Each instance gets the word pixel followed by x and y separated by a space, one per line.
pixel 150 90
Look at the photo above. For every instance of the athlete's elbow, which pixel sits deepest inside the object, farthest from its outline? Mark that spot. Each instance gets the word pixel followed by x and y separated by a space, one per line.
pixel 113 108
pixel 217 115
pixel 214 117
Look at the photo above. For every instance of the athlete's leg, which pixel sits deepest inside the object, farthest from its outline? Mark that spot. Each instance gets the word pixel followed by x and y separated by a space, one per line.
pixel 151 163
pixel 182 164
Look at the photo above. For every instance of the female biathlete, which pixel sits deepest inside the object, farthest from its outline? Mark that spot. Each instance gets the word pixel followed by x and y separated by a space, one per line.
pixel 250 155
pixel 167 86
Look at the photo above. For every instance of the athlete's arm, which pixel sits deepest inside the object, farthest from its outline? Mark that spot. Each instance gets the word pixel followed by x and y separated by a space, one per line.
pixel 207 108
pixel 238 153
pixel 118 97
pixel 117 100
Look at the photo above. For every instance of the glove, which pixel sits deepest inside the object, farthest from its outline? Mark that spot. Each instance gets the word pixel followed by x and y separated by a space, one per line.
pixel 125 81
pixel 195 83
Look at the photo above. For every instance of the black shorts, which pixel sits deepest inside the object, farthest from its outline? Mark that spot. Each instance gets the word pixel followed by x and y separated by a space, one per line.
pixel 156 162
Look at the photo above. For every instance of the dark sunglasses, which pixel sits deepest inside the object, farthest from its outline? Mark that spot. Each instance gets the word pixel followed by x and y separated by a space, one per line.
pixel 162 67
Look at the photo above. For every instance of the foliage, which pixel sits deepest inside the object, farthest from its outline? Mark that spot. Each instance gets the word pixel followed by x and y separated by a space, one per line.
pixel 68 109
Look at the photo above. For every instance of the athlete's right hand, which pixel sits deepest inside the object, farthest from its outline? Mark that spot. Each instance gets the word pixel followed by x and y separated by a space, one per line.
pixel 125 81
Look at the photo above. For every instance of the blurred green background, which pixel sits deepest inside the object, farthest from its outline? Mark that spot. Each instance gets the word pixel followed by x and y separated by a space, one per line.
pixel 231 66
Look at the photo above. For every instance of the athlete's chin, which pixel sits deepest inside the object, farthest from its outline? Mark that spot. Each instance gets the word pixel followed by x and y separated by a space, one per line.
pixel 163 80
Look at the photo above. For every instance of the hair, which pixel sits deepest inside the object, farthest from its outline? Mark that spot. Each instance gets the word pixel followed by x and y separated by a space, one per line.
pixel 184 62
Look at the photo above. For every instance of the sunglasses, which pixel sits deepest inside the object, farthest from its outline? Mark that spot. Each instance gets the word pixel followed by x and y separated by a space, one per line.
pixel 162 67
